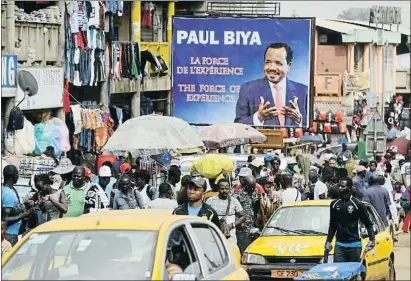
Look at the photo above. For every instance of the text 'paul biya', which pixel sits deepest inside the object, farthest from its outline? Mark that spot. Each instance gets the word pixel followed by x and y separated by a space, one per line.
pixel 209 37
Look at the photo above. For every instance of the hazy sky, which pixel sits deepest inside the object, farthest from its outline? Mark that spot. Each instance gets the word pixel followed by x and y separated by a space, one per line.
pixel 331 9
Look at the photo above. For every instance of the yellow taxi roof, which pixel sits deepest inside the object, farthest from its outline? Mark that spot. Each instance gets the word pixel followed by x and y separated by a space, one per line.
pixel 113 220
pixel 320 203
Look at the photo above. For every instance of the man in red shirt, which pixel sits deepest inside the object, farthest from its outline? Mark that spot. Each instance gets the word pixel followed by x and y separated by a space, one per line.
pixel 244 172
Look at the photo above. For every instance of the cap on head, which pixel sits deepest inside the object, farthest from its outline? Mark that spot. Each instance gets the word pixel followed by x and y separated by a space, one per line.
pixel 125 168
pixel 257 162
pixel 244 172
pixel 268 158
pixel 105 172
pixel 199 182
pixel 360 169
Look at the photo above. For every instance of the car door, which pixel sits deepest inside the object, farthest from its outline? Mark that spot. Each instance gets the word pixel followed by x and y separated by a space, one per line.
pixel 385 245
pixel 212 251
pixel 179 242
pixel 374 258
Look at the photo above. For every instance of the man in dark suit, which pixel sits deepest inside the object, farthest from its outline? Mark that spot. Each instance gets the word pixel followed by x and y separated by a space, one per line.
pixel 273 100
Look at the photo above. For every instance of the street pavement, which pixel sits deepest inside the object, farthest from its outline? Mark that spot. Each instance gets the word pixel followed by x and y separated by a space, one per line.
pixel 402 257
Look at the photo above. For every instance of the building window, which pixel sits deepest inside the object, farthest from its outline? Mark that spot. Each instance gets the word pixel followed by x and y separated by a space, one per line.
pixel 358 57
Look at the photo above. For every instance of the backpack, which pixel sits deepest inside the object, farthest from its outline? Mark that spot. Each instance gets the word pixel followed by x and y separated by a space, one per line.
pixel 16 120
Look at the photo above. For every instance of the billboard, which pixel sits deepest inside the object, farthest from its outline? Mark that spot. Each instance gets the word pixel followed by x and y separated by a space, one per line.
pixel 256 71
pixel 9 67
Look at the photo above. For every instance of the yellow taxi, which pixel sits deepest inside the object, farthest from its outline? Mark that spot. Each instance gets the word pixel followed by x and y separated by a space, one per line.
pixel 124 245
pixel 293 242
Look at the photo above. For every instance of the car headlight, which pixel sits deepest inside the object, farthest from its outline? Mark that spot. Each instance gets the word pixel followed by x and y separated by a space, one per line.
pixel 252 259
pixel 330 259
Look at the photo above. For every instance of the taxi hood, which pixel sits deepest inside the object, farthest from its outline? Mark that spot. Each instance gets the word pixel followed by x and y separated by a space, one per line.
pixel 304 245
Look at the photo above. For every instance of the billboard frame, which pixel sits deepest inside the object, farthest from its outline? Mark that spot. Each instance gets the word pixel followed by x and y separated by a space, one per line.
pixel 311 87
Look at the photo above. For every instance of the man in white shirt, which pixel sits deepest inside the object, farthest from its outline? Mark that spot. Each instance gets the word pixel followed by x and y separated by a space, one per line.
pixel 164 200
pixel 406 173
pixel 220 204
pixel 274 99
pixel 320 188
pixel 290 194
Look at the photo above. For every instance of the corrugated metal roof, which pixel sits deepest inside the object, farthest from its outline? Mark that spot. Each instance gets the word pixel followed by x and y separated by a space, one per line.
pixel 402 28
pixel 342 27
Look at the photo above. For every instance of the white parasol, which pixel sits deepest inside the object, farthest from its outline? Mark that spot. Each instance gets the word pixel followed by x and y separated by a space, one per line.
pixel 152 135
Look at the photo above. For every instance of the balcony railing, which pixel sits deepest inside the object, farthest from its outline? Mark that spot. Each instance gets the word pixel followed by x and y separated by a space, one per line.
pixel 244 8
pixel 38 42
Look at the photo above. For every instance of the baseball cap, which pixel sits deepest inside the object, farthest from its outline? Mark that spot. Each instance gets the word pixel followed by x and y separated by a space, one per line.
pixel 199 182
pixel 360 169
pixel 125 168
pixel 104 172
pixel 257 162
pixel 244 172
pixel 88 173
pixel 268 157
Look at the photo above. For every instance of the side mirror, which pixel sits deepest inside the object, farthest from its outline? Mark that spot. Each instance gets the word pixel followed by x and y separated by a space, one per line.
pixel 184 276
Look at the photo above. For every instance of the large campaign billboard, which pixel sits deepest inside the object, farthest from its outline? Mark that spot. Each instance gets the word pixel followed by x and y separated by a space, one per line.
pixel 256 71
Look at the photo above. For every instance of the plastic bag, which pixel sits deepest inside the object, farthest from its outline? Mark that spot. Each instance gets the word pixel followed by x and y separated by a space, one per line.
pixel 211 165
pixel 64 131
pixel 24 140
pixel 47 135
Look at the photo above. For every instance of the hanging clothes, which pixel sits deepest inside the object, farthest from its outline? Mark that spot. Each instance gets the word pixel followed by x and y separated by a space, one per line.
pixel 147 19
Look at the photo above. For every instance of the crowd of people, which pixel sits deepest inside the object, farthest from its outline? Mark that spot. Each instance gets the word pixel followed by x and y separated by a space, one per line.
pixel 240 207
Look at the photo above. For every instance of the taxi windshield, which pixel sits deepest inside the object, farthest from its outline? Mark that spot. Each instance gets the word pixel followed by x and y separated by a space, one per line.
pixel 299 220
pixel 84 255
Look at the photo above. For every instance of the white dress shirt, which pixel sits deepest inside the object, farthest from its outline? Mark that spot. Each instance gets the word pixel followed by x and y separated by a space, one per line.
pixel 320 188
pixel 283 91
pixel 290 195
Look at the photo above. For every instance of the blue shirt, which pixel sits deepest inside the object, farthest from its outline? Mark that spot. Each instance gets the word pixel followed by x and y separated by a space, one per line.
pixel 9 199
pixel 193 211
pixel 109 187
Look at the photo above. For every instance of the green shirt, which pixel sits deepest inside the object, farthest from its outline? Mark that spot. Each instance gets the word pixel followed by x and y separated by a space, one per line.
pixel 75 200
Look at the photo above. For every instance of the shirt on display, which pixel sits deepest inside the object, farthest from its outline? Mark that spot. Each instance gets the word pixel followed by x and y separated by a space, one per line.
pixel 94 19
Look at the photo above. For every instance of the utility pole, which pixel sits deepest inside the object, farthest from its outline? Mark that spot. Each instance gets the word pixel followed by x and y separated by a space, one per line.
pixel 62 49
pixel 136 38
pixel 10 49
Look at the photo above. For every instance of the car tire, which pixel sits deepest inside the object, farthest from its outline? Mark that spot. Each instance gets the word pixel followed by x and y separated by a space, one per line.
pixel 391 275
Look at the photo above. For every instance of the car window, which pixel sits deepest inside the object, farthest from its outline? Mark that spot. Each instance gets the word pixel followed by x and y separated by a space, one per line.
pixel 79 255
pixel 374 219
pixel 214 250
pixel 377 219
pixel 181 254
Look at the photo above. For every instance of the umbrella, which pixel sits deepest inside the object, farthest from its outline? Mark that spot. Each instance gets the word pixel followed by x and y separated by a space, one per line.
pixel 152 135
pixel 310 138
pixel 401 143
pixel 230 134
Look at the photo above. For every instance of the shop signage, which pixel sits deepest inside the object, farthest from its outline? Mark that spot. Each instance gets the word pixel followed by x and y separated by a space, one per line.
pixel 50 81
pixel 385 15
pixel 358 81
pixel 328 83
pixel 221 71
pixel 9 67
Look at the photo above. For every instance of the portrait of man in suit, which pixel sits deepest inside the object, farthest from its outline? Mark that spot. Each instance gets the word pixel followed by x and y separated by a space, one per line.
pixel 274 100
